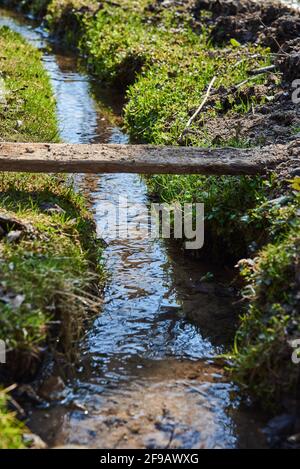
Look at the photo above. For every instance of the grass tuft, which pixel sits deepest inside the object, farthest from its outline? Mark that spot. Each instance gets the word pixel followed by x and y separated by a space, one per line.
pixel 11 429
pixel 29 110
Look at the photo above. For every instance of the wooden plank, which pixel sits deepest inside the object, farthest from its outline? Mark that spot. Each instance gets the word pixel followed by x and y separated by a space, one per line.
pixel 143 159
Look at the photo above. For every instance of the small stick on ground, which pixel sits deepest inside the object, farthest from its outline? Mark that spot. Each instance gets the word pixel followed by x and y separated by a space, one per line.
pixel 259 71
pixel 190 121
pixel 250 57
pixel 239 85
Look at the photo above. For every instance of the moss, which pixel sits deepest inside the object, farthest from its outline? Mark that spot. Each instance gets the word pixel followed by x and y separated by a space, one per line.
pixel 54 261
pixel 11 429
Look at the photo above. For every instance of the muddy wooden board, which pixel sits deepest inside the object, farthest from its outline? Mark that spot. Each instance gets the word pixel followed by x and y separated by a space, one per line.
pixel 144 159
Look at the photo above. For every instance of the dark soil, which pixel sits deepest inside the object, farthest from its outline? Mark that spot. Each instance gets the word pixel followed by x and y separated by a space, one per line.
pixel 265 23
pixel 274 122
pixel 247 21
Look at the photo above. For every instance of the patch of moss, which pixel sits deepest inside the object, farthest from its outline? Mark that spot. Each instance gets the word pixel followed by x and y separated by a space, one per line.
pixel 11 429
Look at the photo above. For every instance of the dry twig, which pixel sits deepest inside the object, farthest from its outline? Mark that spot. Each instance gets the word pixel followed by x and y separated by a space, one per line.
pixel 190 121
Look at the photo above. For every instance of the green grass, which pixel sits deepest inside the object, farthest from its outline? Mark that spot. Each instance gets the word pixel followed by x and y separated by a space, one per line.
pixel 29 112
pixel 53 266
pixel 262 358
pixel 50 267
pixel 11 429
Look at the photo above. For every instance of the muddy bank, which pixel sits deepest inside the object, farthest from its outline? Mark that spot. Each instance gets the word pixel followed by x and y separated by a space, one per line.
pixel 269 23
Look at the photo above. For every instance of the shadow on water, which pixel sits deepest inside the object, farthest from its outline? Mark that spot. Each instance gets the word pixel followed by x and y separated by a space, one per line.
pixel 148 377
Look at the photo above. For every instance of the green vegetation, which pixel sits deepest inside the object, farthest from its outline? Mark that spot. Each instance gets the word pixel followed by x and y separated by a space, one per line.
pixel 49 268
pixel 262 356
pixel 28 107
pixel 165 62
pixel 10 428
pixel 48 250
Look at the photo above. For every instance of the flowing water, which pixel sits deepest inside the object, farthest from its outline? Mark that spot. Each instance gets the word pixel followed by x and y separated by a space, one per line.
pixel 147 377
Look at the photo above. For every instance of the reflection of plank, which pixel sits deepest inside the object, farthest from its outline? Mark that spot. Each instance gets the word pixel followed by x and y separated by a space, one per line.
pixel 144 159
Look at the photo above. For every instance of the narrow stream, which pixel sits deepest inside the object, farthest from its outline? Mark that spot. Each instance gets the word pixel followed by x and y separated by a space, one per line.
pixel 147 377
